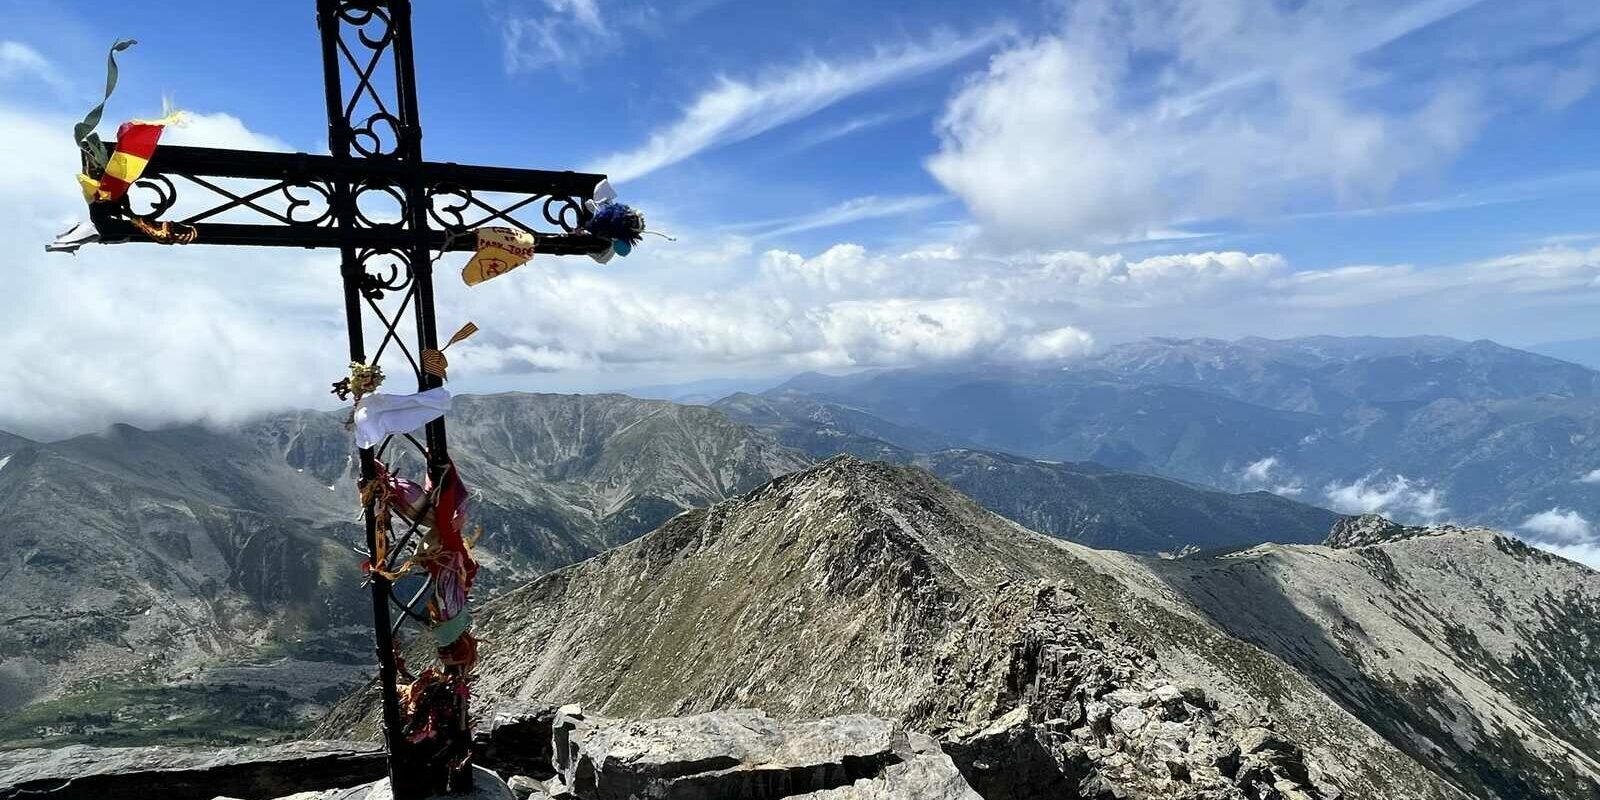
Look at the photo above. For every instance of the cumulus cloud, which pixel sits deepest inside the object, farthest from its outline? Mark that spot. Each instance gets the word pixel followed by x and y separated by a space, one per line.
pixel 147 335
pixel 1055 345
pixel 734 110
pixel 1587 554
pixel 709 304
pixel 1129 118
pixel 1564 532
pixel 1559 526
pixel 1260 471
pixel 1396 496
pixel 1269 473
pixel 1592 476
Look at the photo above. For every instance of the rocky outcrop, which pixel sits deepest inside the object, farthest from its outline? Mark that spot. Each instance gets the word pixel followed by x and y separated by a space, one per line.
pixel 80 772
pixel 1468 649
pixel 546 752
pixel 1369 529
pixel 746 755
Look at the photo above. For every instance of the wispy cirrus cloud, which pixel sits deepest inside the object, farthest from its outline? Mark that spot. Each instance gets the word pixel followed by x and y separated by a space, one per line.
pixel 854 125
pixel 554 32
pixel 855 209
pixel 18 62
pixel 734 110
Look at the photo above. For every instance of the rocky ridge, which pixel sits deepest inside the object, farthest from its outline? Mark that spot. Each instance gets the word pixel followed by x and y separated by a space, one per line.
pixel 902 599
pixel 1369 529
pixel 1079 501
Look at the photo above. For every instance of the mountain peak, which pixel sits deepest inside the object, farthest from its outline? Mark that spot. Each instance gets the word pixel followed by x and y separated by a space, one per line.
pixel 1369 529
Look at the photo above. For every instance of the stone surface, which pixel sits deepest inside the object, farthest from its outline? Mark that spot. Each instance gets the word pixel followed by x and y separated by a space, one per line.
pixel 738 755
pixel 173 773
pixel 1012 758
pixel 897 597
pixel 515 739
pixel 926 776
pixel 1370 529
pixel 486 785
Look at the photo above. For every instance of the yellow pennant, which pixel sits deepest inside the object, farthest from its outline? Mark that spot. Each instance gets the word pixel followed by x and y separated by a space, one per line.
pixel 461 335
pixel 434 362
pixel 499 251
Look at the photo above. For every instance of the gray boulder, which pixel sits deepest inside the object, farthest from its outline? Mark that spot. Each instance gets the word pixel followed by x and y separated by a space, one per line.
pixel 82 772
pixel 746 755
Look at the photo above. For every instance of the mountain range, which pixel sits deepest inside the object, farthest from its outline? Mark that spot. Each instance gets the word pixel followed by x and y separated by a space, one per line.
pixel 196 582
pixel 1422 428
pixel 144 575
pixel 1394 663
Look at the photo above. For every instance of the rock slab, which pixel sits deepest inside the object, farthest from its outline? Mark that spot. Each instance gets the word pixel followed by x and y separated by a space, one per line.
pixel 746 755
pixel 83 772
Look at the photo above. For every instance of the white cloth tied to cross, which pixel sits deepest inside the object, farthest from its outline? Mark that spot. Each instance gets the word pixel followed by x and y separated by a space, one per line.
pixel 380 415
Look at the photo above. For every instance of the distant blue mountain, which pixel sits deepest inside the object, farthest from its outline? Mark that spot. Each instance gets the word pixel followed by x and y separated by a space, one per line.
pixel 1578 351
pixel 1418 427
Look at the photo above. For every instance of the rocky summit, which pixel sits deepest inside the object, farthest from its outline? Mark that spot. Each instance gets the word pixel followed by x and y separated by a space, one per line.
pixel 1449 666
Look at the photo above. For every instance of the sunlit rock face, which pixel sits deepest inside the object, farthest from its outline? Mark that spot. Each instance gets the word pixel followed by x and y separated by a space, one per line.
pixel 1433 667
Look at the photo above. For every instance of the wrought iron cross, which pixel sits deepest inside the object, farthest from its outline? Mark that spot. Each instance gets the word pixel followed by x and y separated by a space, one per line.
pixel 300 200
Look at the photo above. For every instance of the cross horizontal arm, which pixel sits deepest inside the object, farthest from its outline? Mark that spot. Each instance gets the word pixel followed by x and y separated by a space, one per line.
pixel 224 163
pixel 293 193
pixel 114 230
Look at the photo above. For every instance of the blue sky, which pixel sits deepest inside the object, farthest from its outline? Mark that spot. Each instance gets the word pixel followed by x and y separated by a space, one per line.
pixel 859 184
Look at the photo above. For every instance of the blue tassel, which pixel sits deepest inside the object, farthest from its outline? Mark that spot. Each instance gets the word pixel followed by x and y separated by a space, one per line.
pixel 618 223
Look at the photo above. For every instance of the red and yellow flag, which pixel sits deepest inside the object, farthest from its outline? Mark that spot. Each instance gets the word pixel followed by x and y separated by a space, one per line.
pixel 136 142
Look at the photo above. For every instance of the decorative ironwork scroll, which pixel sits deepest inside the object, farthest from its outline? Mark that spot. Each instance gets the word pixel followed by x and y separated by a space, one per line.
pixel 387 211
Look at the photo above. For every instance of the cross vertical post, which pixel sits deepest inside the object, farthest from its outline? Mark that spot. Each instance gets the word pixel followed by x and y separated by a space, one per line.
pixel 407 777
pixel 213 196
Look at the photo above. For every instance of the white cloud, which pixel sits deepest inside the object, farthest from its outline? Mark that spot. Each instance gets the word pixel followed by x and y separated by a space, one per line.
pixel 735 110
pixel 1585 554
pixel 220 130
pixel 231 332
pixel 849 305
pixel 146 334
pixel 555 32
pixel 850 126
pixel 1054 345
pixel 1564 532
pixel 853 210
pixel 1560 526
pixel 1258 473
pixel 21 62
pixel 1269 474
pixel 1398 496
pixel 1131 118
pixel 1592 476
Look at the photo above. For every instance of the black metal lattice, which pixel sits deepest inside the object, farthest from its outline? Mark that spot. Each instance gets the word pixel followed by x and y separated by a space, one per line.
pixel 241 197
